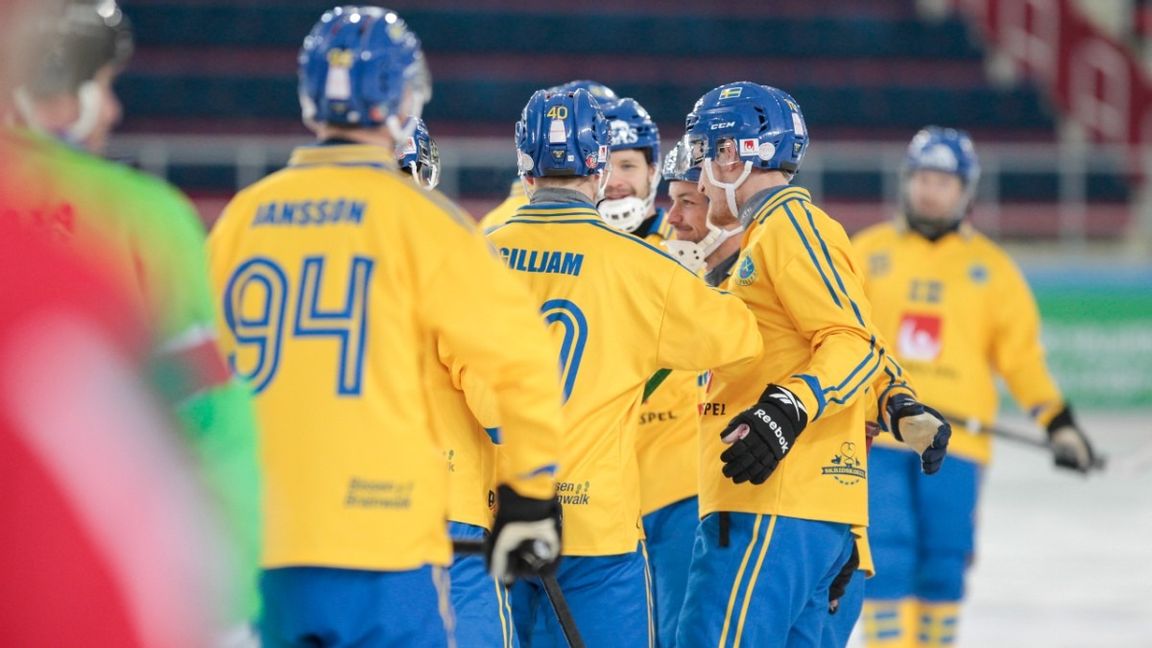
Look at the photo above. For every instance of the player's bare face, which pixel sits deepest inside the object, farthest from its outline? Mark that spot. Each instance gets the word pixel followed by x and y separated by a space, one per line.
pixel 935 194
pixel 688 214
pixel 631 175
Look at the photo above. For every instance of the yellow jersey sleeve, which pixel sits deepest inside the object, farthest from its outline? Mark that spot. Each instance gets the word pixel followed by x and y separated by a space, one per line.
pixel 809 259
pixel 1017 352
pixel 683 343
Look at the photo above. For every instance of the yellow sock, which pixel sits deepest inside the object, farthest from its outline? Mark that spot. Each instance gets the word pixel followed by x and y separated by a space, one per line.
pixel 890 624
pixel 937 623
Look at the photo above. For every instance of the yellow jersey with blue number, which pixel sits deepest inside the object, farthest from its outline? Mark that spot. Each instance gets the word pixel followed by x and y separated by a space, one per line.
pixel 505 210
pixel 619 309
pixel 798 273
pixel 336 278
pixel 960 313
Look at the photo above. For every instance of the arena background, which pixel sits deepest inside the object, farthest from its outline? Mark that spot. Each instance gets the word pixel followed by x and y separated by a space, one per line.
pixel 1056 94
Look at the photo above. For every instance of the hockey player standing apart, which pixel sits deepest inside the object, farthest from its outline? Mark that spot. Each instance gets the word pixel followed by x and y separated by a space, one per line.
pixel 147 234
pixel 961 313
pixel 336 275
pixel 619 309
pixel 782 482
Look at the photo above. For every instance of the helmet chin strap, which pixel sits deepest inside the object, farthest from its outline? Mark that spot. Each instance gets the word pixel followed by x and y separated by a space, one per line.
pixel 694 255
pixel 626 214
pixel 74 134
pixel 728 187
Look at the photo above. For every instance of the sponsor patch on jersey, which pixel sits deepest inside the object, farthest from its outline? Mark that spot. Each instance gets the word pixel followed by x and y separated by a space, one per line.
pixel 919 337
pixel 745 272
pixel 846 467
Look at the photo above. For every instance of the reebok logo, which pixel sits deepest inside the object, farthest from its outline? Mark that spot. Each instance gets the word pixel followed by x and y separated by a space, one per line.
pixel 789 400
pixel 774 426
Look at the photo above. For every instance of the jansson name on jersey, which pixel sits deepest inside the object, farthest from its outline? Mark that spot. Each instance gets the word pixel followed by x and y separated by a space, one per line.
pixel 545 261
pixel 335 211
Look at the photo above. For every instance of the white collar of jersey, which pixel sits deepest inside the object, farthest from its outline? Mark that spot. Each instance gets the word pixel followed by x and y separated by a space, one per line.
pixel 343 154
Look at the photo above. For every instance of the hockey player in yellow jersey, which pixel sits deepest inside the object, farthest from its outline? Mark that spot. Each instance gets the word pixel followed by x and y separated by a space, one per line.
pixel 782 482
pixel 619 309
pixel 337 276
pixel 702 245
pixel 960 313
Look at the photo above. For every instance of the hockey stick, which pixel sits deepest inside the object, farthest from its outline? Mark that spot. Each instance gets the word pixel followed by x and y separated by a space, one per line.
pixel 551 589
pixel 1099 462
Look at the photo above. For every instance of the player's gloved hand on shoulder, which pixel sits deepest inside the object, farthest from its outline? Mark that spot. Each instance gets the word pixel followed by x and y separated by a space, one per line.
pixel 921 428
pixel 840 583
pixel 1070 447
pixel 525 538
pixel 762 435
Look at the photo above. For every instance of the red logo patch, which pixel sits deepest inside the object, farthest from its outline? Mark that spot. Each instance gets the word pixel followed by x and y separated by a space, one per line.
pixel 919 337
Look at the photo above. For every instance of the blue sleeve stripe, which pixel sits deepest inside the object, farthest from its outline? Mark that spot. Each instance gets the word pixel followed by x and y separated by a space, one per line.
pixel 547 469
pixel 812 256
pixel 863 363
pixel 828 258
pixel 494 434
pixel 865 379
pixel 814 385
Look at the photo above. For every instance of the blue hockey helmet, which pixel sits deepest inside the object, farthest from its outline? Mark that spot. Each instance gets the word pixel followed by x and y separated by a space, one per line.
pixel 599 91
pixel 763 123
pixel 763 126
pixel 420 157
pixel 944 149
pixel 631 127
pixel 561 134
pixel 363 67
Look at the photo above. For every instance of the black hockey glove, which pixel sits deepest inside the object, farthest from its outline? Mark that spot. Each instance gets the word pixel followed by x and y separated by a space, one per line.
pixel 1070 447
pixel 840 583
pixel 525 538
pixel 921 428
pixel 762 435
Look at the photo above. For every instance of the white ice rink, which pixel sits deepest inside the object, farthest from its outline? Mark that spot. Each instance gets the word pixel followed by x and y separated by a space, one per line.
pixel 1064 561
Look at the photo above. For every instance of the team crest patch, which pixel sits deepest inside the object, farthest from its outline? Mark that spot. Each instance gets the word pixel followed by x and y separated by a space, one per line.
pixel 978 273
pixel 846 467
pixel 745 272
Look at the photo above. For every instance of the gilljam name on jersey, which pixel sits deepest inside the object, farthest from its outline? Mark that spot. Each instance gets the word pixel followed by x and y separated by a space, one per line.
pixel 367 493
pixel 574 493
pixel 544 261
pixel 337 211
